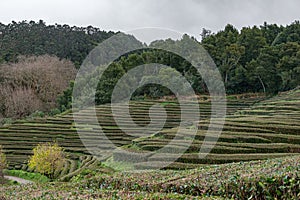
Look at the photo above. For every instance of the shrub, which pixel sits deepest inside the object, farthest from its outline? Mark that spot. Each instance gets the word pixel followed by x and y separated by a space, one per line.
pixel 2 163
pixel 38 114
pixel 47 158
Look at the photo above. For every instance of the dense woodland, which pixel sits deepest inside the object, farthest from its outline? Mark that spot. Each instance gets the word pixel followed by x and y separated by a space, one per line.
pixel 254 59
pixel 37 38
pixel 257 59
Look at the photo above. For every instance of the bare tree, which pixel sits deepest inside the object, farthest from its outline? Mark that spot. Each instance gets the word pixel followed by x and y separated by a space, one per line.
pixel 22 102
pixel 33 83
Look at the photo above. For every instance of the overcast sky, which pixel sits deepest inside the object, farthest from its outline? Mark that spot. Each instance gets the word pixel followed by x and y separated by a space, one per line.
pixel 186 16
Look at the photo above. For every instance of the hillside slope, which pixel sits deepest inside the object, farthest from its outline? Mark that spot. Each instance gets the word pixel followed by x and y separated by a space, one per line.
pixel 19 138
pixel 267 129
pixel 270 128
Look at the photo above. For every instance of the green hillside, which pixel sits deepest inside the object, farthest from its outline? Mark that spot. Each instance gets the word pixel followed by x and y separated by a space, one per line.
pixel 265 130
pixel 19 138
pixel 268 129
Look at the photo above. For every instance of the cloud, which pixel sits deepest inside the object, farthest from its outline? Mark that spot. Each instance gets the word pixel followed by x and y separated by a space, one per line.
pixel 188 16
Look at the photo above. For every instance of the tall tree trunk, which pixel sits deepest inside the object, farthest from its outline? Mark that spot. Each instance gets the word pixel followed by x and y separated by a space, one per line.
pixel 262 83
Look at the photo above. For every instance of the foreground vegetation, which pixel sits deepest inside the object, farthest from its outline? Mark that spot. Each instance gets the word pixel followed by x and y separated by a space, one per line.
pixel 271 179
pixel 36 177
pixel 266 130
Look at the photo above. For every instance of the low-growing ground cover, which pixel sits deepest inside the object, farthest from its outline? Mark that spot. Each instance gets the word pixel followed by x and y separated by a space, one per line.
pixel 269 179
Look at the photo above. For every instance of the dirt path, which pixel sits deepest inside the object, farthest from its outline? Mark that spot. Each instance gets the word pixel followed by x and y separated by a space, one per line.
pixel 19 180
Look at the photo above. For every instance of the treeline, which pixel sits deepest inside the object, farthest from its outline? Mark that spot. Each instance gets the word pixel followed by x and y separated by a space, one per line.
pixel 37 38
pixel 104 85
pixel 37 63
pixel 262 58
pixel 116 70
pixel 256 59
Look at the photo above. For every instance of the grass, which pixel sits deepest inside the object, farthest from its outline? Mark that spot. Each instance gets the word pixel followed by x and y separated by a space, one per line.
pixel 118 166
pixel 36 177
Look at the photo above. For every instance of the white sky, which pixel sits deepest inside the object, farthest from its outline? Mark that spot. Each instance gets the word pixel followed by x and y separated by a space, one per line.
pixel 186 16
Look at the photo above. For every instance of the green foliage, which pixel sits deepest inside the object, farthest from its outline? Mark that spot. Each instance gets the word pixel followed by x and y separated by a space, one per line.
pixel 6 121
pixel 270 179
pixel 258 59
pixel 36 177
pixel 72 43
pixel 2 163
pixel 168 77
pixel 117 69
pixel 54 112
pixel 65 100
pixel 245 59
pixel 108 81
pixel 252 39
pixel 264 187
pixel 38 114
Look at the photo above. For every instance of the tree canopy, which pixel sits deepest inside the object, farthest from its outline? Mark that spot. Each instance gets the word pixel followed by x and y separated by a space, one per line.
pixel 37 38
pixel 263 58
pixel 257 59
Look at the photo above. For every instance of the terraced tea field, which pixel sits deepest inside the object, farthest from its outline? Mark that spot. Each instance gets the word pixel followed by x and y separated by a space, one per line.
pixel 19 138
pixel 268 129
pixel 254 129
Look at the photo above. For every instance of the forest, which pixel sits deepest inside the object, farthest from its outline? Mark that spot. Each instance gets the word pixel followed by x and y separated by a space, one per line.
pixel 37 38
pixel 261 58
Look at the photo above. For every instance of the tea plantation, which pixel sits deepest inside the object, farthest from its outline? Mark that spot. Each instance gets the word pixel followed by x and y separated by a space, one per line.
pixel 256 156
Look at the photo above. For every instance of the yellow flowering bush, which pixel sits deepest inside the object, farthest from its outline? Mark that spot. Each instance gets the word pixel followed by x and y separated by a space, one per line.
pixel 47 158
